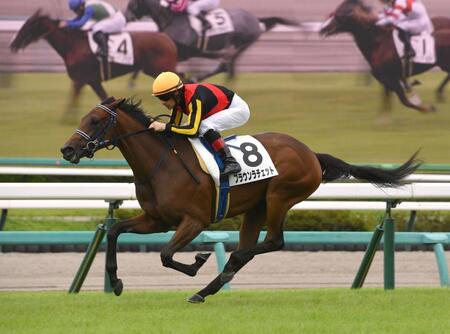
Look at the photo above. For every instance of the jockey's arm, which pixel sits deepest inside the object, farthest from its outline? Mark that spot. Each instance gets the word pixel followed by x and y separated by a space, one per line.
pixel 390 16
pixel 193 123
pixel 79 21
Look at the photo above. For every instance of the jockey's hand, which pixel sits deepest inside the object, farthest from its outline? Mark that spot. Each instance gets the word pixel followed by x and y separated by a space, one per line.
pixel 62 24
pixel 157 126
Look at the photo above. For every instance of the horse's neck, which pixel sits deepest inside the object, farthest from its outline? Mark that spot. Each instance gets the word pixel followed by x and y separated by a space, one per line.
pixel 367 39
pixel 161 15
pixel 143 152
pixel 61 40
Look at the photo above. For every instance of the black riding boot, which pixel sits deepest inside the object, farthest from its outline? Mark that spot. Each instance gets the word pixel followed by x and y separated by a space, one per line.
pixel 408 57
pixel 205 23
pixel 405 36
pixel 102 41
pixel 231 166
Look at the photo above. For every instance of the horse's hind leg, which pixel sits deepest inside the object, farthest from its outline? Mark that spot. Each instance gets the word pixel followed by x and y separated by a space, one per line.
pixel 99 90
pixel 440 90
pixel 140 224
pixel 71 113
pixel 186 232
pixel 411 102
pixel 247 249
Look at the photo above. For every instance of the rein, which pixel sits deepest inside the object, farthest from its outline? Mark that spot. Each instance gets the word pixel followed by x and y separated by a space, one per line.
pixel 96 142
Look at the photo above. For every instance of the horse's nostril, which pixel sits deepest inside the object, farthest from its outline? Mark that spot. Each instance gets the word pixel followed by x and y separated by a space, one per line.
pixel 67 151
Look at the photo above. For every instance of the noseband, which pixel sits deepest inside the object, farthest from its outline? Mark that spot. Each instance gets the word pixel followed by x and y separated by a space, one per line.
pixel 96 141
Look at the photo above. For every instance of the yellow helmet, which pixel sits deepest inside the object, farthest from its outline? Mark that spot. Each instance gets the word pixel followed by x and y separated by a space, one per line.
pixel 165 83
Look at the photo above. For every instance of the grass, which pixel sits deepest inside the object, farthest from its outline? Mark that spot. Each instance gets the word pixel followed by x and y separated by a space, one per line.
pixel 259 311
pixel 331 112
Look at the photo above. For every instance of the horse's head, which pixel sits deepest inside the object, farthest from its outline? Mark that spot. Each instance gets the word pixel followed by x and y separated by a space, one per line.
pixel 36 27
pixel 93 132
pixel 136 9
pixel 347 17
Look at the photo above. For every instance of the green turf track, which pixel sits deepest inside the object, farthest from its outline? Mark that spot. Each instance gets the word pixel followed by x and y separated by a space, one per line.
pixel 331 112
pixel 262 311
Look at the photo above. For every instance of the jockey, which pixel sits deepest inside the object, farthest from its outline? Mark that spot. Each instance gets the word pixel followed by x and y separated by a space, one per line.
pixel 410 17
pixel 209 109
pixel 108 19
pixel 196 8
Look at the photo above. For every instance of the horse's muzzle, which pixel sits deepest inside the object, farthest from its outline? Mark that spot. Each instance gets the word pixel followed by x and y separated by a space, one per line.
pixel 70 154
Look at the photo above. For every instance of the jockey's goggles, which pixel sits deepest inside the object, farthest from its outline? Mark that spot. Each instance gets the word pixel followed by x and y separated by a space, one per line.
pixel 166 97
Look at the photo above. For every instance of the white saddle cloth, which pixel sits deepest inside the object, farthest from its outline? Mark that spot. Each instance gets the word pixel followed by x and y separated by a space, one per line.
pixel 255 162
pixel 120 48
pixel 423 46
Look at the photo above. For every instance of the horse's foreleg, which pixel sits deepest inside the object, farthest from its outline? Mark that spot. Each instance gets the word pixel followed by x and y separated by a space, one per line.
pixel 234 57
pixel 140 224
pixel 440 90
pixel 185 233
pixel 222 67
pixel 99 90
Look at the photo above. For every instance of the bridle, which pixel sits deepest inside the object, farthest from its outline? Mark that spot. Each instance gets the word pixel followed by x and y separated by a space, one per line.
pixel 97 142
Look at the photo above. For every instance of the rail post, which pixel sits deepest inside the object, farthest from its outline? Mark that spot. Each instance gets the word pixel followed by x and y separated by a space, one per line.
pixel 92 251
pixel 368 257
pixel 88 259
pixel 389 246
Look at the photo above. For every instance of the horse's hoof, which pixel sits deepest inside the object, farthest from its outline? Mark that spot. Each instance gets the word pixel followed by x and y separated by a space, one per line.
pixel 118 287
pixel 201 258
pixel 196 299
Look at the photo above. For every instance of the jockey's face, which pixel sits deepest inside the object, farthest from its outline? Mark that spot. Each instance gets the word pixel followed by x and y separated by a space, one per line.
pixel 170 103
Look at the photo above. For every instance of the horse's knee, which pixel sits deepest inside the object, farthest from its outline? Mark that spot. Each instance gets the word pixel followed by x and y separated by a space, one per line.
pixel 166 258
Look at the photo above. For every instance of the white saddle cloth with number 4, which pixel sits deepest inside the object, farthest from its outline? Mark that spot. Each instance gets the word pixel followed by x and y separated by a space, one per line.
pixel 120 48
pixel 422 44
pixel 255 162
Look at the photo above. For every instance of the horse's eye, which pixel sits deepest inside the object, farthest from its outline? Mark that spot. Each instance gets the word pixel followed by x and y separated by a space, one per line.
pixel 95 121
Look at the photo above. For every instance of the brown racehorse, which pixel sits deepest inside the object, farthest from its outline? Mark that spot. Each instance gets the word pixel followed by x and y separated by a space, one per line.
pixel 153 53
pixel 173 190
pixel 377 46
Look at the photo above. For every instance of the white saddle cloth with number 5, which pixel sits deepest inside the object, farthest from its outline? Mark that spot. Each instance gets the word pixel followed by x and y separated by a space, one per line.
pixel 255 162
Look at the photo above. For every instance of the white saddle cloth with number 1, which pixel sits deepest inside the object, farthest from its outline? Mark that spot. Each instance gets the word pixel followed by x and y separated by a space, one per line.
pixel 255 162
pixel 120 48
pixel 422 44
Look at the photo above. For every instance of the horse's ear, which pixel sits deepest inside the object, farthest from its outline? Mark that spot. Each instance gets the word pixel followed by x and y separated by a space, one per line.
pixel 117 103
pixel 37 13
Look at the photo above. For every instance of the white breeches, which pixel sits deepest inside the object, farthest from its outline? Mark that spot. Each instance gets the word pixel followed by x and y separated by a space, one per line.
pixel 416 27
pixel 111 25
pixel 236 115
pixel 194 8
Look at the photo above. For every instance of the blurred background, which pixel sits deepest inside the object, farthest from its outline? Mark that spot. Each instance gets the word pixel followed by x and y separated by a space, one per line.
pixel 295 82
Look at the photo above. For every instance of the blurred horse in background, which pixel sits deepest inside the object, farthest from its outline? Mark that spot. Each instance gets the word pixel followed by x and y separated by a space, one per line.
pixel 174 192
pixel 377 46
pixel 153 53
pixel 226 46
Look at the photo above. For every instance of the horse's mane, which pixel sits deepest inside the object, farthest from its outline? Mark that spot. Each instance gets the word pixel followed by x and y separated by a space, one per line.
pixel 133 108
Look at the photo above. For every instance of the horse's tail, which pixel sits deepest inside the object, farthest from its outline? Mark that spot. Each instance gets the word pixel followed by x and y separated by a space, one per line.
pixel 334 168
pixel 272 21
